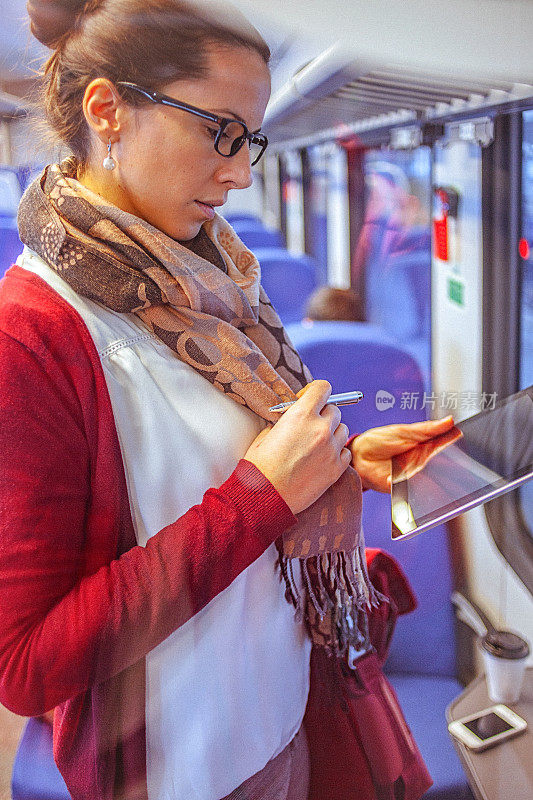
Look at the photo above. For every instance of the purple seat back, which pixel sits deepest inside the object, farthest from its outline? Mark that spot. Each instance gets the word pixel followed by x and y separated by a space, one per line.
pixel 10 245
pixel 289 280
pixel 256 236
pixel 242 218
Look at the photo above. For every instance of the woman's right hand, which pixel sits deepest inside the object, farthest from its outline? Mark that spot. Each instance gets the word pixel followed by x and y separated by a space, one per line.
pixel 304 453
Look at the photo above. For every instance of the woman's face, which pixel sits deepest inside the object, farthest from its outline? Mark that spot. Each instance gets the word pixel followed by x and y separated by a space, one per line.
pixel 168 171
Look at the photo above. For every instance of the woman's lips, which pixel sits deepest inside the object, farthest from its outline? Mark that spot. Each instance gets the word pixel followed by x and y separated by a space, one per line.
pixel 207 210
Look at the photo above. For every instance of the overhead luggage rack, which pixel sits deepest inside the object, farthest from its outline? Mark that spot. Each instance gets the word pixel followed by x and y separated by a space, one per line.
pixel 335 96
pixel 11 106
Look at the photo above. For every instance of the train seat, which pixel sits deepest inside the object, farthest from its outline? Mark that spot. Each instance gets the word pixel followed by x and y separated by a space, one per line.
pixel 242 218
pixel 398 300
pixel 10 244
pixel 28 173
pixel 422 660
pixel 256 236
pixel 35 775
pixel 288 280
pixel 10 194
pixel 359 355
pixel 398 296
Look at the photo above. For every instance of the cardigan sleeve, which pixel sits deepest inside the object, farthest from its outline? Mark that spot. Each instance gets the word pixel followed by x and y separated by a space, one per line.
pixel 68 621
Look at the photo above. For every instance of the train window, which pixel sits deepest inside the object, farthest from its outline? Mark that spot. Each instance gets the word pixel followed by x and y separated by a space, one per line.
pixel 392 259
pixel 315 164
pixel 292 189
pixel 338 229
pixel 271 191
pixel 526 254
pixel 526 289
pixel 508 308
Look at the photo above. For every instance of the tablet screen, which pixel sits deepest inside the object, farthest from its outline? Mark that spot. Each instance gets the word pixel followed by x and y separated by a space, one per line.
pixel 480 458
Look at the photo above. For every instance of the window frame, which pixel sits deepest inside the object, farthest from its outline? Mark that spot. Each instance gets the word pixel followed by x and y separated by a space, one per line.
pixel 501 223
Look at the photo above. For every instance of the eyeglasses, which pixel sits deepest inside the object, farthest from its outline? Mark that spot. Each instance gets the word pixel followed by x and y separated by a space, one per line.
pixel 231 133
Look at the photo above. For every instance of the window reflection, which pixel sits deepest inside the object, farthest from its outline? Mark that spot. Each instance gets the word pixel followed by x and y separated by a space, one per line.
pixel 393 255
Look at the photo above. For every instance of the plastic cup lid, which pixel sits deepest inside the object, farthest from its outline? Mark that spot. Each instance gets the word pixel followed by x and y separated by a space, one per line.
pixel 505 644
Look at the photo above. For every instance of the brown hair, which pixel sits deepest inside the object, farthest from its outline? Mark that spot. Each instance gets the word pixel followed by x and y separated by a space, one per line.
pixel 330 303
pixel 150 42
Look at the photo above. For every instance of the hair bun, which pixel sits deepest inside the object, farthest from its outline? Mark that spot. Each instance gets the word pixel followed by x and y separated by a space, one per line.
pixel 51 19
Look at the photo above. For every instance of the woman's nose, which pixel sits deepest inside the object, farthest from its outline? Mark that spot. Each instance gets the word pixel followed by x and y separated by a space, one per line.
pixel 237 169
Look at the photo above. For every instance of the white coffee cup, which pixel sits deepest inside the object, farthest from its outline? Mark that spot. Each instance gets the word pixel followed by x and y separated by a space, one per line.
pixel 505 655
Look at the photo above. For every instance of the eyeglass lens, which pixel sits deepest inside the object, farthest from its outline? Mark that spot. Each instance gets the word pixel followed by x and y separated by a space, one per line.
pixel 232 138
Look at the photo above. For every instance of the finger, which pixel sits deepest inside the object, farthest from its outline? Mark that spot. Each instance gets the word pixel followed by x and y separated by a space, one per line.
pixel 303 390
pixel 443 422
pixel 314 398
pixel 333 415
pixel 383 481
pixel 433 427
pixel 415 432
pixel 345 456
pixel 415 458
pixel 341 434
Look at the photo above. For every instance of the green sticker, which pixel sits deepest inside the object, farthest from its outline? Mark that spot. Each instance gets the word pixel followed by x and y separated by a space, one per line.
pixel 456 291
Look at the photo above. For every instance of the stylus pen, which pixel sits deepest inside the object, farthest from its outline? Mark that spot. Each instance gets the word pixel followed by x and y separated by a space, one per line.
pixel 346 399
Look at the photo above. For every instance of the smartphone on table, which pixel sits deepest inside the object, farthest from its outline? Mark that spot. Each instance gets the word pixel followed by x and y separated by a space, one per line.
pixel 488 727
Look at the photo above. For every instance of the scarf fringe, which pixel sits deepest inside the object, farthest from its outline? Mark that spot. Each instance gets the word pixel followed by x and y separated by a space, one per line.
pixel 339 589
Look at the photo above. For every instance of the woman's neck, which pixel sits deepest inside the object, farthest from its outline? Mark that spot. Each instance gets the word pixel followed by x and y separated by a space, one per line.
pixel 108 186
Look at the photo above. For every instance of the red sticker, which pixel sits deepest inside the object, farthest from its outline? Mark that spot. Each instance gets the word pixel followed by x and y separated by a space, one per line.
pixel 440 229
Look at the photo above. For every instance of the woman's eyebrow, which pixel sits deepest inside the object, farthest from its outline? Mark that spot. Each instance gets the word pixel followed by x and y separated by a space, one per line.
pixel 230 113
pixel 235 116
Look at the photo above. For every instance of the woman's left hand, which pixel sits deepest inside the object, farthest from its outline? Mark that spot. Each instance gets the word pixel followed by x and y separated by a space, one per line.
pixel 372 450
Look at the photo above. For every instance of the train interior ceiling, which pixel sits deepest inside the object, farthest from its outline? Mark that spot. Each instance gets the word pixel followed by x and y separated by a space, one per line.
pixel 399 167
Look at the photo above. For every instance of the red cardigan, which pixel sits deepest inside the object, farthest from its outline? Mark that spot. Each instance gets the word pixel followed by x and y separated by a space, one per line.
pixel 82 603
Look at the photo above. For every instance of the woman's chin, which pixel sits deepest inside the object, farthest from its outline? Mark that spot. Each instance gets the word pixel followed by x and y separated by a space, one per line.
pixel 182 233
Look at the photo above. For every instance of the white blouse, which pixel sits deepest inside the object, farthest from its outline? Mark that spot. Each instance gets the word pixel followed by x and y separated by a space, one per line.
pixel 227 691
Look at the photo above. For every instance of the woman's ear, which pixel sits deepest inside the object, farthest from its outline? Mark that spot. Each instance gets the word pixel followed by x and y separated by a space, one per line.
pixel 103 109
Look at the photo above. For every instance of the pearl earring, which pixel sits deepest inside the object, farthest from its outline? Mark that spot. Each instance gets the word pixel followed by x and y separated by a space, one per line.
pixel 109 161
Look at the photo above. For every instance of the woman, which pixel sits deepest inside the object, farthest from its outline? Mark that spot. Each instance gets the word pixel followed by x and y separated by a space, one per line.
pixel 145 495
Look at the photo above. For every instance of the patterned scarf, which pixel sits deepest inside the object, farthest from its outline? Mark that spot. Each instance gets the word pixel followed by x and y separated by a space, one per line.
pixel 223 325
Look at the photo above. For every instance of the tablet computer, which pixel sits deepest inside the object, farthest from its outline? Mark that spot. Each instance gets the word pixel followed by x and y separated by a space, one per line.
pixel 478 459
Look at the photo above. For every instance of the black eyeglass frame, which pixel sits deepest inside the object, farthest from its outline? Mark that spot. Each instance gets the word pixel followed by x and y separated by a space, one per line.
pixel 222 122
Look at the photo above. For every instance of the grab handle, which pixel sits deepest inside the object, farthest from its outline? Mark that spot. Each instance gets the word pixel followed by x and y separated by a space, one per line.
pixel 469 613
